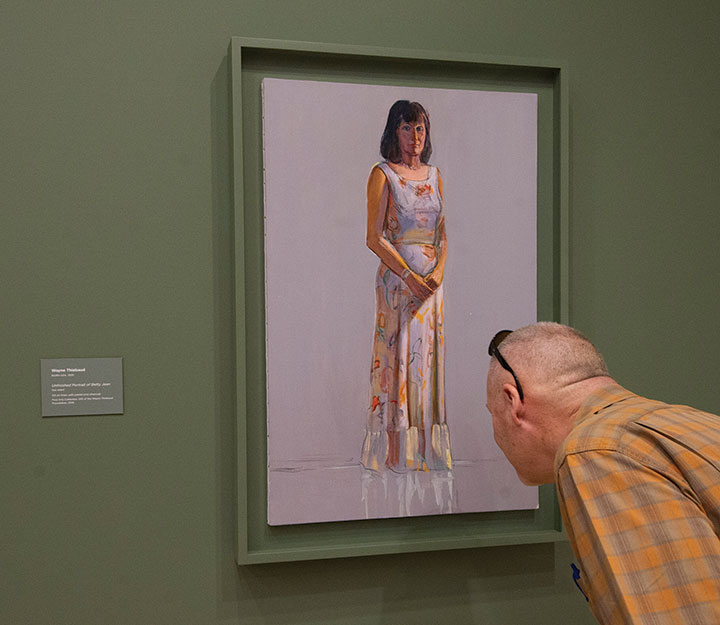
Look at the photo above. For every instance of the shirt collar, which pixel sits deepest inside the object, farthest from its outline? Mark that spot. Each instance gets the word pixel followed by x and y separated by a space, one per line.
pixel 602 398
pixel 595 402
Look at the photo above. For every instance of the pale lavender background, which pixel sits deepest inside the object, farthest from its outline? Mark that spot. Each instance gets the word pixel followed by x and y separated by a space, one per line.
pixel 320 142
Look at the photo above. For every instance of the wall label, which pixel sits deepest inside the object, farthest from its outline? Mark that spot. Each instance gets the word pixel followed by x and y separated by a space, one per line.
pixel 81 386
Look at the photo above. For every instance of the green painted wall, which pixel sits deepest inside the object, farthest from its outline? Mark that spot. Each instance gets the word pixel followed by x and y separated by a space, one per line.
pixel 114 240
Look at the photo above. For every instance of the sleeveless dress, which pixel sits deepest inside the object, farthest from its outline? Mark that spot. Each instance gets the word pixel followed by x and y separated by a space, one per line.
pixel 406 428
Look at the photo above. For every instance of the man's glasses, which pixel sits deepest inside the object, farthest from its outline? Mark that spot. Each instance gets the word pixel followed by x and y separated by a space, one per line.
pixel 494 351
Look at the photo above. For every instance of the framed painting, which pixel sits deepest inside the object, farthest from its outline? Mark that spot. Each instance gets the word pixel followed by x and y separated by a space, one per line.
pixel 336 457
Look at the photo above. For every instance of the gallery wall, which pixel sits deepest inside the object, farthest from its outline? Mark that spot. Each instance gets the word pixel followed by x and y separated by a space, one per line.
pixel 116 240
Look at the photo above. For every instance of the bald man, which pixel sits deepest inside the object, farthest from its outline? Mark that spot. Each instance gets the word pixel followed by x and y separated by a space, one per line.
pixel 638 481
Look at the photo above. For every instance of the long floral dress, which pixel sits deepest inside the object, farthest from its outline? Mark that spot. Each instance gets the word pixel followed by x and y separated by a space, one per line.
pixel 406 428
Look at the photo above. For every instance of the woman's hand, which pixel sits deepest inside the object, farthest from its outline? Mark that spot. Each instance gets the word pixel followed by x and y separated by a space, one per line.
pixel 434 278
pixel 418 287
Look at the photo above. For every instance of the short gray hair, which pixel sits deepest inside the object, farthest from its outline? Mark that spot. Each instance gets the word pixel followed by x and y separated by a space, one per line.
pixel 551 352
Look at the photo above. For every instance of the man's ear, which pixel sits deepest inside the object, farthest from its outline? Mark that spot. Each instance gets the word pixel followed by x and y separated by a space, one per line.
pixel 514 403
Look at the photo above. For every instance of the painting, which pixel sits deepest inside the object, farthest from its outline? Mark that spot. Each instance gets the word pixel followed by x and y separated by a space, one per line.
pixel 386 273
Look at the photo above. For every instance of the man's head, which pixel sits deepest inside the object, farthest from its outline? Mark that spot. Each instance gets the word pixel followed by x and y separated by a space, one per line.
pixel 557 367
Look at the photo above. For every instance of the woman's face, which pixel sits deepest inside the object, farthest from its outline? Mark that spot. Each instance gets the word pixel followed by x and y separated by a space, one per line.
pixel 411 137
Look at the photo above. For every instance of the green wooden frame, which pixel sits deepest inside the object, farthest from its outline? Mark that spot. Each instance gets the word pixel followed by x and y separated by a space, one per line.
pixel 251 61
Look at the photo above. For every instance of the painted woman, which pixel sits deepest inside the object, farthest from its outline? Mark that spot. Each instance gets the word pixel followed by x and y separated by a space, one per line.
pixel 407 429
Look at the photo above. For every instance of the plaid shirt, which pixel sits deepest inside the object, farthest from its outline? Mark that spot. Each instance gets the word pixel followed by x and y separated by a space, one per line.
pixel 638 483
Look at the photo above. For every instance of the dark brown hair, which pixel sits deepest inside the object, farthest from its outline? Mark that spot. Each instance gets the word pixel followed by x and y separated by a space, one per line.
pixel 404 111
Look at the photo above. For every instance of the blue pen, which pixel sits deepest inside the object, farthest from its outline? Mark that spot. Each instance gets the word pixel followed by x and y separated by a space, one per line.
pixel 576 578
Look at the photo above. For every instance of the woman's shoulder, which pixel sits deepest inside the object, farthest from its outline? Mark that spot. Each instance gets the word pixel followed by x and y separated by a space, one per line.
pixel 433 173
pixel 378 178
pixel 380 169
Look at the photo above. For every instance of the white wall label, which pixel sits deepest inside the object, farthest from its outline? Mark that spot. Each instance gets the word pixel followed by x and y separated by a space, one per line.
pixel 81 386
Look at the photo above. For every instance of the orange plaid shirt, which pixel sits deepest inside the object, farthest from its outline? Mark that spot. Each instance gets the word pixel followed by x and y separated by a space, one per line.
pixel 638 483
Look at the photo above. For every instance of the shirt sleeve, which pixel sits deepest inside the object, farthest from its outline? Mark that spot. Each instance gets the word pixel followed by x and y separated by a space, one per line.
pixel 646 549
